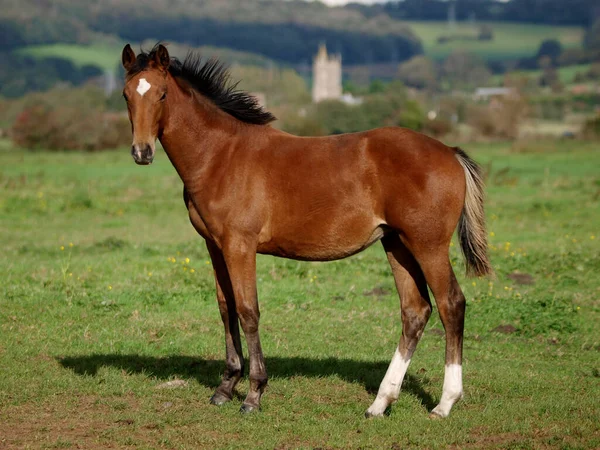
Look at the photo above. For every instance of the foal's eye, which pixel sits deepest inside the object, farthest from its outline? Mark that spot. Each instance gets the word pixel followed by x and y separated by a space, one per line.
pixel 125 97
pixel 163 97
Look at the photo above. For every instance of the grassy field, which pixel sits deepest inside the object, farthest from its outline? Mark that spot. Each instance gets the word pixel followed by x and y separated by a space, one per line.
pixel 566 74
pixel 107 57
pixel 107 294
pixel 511 40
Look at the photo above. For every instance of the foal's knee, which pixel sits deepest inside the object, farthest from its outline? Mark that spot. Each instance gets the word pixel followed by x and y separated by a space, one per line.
pixel 249 318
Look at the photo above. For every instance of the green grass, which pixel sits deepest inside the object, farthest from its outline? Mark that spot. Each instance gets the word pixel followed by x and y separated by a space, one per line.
pixel 511 40
pixel 565 74
pixel 107 57
pixel 88 331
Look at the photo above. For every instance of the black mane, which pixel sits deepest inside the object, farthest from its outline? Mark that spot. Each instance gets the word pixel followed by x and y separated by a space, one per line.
pixel 212 79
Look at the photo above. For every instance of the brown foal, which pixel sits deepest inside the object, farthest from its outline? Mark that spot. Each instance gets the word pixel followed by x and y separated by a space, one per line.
pixel 250 188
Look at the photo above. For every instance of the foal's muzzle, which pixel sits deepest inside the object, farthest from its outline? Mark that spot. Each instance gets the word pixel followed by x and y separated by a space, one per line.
pixel 142 154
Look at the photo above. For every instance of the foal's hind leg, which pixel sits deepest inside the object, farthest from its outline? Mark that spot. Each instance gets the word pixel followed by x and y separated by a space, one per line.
pixel 451 307
pixel 416 309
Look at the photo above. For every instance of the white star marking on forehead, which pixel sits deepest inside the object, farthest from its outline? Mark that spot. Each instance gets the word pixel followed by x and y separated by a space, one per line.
pixel 143 87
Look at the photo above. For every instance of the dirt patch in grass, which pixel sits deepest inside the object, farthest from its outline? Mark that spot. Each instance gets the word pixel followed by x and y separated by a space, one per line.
pixel 69 422
pixel 521 278
pixel 505 329
pixel 377 292
pixel 481 437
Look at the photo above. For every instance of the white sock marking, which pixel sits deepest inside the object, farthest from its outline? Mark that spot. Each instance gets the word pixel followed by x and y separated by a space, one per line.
pixel 143 87
pixel 453 390
pixel 389 389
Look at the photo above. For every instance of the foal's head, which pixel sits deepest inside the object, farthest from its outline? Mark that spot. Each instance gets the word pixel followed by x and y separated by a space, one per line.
pixel 145 92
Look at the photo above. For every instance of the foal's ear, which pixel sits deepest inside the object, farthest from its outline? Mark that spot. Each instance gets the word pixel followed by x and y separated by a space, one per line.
pixel 161 57
pixel 128 57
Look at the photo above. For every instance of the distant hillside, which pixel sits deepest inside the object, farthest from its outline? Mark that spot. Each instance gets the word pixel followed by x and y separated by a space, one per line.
pixel 510 40
pixel 287 31
pixel 551 12
pixel 108 57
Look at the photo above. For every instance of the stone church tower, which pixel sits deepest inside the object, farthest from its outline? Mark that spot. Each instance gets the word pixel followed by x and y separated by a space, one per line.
pixel 327 76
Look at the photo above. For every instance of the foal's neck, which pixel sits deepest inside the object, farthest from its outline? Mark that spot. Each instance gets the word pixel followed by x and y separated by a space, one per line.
pixel 196 133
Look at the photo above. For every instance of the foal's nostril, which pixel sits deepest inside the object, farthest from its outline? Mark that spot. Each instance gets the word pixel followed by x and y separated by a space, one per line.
pixel 146 153
pixel 142 154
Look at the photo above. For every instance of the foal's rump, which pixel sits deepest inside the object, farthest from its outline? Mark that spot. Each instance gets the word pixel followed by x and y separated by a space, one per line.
pixel 332 197
pixel 422 183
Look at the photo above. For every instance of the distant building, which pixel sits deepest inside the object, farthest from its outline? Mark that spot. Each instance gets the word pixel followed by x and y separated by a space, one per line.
pixel 327 76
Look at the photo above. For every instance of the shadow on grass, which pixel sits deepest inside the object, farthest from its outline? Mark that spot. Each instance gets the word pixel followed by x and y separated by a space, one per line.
pixel 208 371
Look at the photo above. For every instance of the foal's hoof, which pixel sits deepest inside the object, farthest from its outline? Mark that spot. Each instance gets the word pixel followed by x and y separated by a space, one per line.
pixel 435 416
pixel 219 399
pixel 247 409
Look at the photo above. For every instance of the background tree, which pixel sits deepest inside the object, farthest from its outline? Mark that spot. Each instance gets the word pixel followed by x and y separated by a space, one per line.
pixel 419 72
pixel 549 75
pixel 486 32
pixel 550 48
pixel 592 40
pixel 464 70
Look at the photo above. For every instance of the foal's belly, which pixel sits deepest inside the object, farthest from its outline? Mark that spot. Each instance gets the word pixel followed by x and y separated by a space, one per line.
pixel 323 244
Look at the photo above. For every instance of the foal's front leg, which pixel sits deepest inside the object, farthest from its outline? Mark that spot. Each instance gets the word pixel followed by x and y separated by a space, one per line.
pixel 234 358
pixel 240 257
